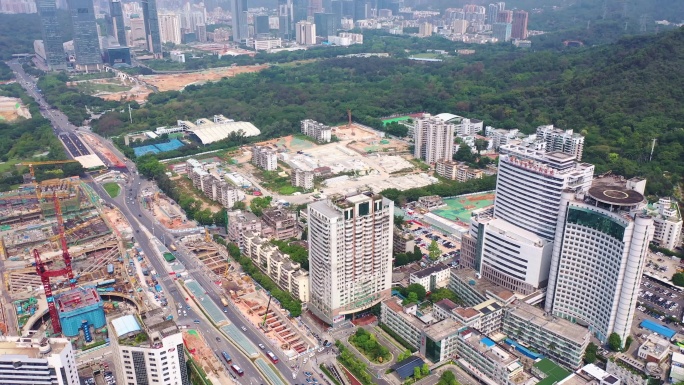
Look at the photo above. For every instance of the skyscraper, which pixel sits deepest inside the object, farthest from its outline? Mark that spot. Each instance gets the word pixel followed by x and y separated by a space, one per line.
pixel 519 29
pixel 598 256
pixel 238 8
pixel 28 360
pixel 362 9
pixel 169 27
pixel 327 24
pixel 529 185
pixel 299 11
pixel 434 139
pixel 151 17
pixel 86 39
pixel 505 16
pixel 350 254
pixel 116 27
pixel 52 38
pixel 502 31
pixel 492 13
pixel 261 24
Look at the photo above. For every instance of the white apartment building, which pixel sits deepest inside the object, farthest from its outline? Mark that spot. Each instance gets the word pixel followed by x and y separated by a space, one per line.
pixel 169 28
pixel 462 126
pixel 431 278
pixel 286 273
pixel 211 185
pixel 561 140
pixel 303 178
pixel 486 360
pixel 305 33
pixel 350 254
pixel 555 338
pixel 318 131
pixel 239 223
pixel 529 185
pixel 601 243
pixel 506 254
pixel 37 360
pixel 157 359
pixel 265 157
pixel 457 171
pixel 487 317
pixel 433 138
pixel 667 219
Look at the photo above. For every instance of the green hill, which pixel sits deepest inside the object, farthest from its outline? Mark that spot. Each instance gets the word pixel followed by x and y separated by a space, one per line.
pixel 621 96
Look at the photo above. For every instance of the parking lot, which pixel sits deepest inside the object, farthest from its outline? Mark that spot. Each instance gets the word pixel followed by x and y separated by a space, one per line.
pixel 661 298
pixel 660 265
pixel 450 249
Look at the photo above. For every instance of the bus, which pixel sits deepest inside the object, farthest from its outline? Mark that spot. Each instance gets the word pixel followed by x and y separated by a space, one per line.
pixel 226 357
pixel 237 370
pixel 272 356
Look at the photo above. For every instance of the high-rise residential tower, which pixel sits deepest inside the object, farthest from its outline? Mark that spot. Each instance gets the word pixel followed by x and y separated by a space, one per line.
pixel 566 141
pixel 502 31
pixel 504 16
pixel 350 254
pixel 529 185
pixel 434 139
pixel 238 9
pixel 86 39
pixel 52 37
pixel 151 17
pixel 598 257
pixel 169 28
pixel 492 13
pixel 519 23
pixel 45 361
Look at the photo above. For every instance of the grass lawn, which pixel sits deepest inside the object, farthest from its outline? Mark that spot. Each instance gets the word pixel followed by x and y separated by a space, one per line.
pixel 113 189
pixel 9 165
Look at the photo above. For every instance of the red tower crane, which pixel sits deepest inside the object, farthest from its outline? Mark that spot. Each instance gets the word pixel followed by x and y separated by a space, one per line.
pixel 45 274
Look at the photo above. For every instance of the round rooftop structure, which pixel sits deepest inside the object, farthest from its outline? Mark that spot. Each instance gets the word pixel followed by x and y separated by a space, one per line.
pixel 615 195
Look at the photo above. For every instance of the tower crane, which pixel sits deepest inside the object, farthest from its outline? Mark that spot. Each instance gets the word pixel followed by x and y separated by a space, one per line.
pixel 45 274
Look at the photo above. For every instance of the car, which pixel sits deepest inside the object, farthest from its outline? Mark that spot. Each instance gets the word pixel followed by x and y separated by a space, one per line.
pixel 244 329
pixel 262 347
pixel 196 321
pixel 308 374
pixel 139 215
pixel 309 381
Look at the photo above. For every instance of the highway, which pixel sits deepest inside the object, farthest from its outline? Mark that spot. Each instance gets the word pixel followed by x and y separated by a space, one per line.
pixel 129 205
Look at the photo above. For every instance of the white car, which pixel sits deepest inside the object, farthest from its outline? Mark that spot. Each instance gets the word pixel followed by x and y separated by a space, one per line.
pixel 244 329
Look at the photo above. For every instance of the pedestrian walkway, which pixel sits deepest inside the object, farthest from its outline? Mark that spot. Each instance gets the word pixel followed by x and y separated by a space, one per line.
pixel 232 332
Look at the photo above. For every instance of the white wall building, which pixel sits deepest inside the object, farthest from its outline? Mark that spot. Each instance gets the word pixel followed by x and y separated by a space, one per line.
pixel 529 185
pixel 561 140
pixel 668 223
pixel 602 244
pixel 350 254
pixel 266 44
pixel 169 28
pixel 431 278
pixel 318 131
pixel 303 178
pixel 160 359
pixel 265 157
pixel 34 360
pixel 305 33
pixel 434 139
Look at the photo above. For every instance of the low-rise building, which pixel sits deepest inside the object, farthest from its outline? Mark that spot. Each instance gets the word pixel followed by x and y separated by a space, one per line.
pixel 654 349
pixel 303 178
pixel 265 157
pixel 667 220
pixel 556 338
pixel 280 224
pixel 628 370
pixel 151 352
pixel 591 375
pixel 431 278
pixel 403 242
pixel 287 274
pixel 457 171
pixel 37 360
pixel 676 368
pixel 266 44
pixel 487 317
pixel 212 186
pixel 239 223
pixel 473 289
pixel 430 202
pixel 318 131
pixel 487 361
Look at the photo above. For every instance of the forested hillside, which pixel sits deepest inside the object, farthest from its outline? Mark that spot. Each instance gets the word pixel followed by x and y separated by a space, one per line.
pixel 620 96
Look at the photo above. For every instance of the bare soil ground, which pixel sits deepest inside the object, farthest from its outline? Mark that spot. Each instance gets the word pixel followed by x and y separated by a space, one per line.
pixel 175 82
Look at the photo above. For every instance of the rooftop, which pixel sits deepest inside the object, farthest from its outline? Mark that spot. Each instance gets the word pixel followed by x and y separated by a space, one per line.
pixel 125 326
pixel 77 298
pixel 535 316
pixel 610 191
pixel 490 349
pixel 446 304
pixel 30 347
pixel 481 285
pixel 428 271
pixel 512 231
pixel 210 132
pixel 443 329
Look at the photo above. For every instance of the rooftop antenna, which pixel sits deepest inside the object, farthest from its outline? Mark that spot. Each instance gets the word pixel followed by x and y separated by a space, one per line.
pixel 652 148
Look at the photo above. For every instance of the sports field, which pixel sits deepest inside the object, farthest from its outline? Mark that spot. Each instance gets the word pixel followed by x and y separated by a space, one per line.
pixel 393 120
pixel 461 207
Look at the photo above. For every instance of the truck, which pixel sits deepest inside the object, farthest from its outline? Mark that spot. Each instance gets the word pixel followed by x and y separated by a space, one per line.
pixel 225 303
pixel 110 269
pixel 226 357
pixel 172 247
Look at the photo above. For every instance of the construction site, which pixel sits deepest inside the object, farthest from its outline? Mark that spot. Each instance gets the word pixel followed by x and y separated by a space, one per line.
pixel 248 297
pixel 63 258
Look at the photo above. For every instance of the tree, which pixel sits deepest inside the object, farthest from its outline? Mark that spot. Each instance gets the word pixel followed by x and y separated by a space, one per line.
pixel 404 355
pixel 614 342
pixel 447 378
pixel 399 221
pixel 425 370
pixel 590 353
pixel 444 293
pixel 433 251
pixel 410 299
pixel 464 154
pixel 416 373
pixel 418 289
pixel 678 279
pixel 239 205
pixel 480 144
